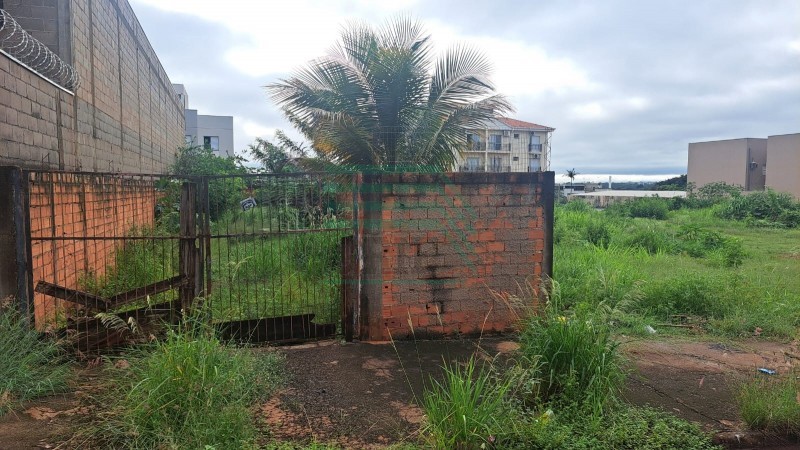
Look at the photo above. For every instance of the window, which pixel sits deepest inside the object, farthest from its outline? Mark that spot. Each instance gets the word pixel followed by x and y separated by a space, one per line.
pixel 495 163
pixel 474 142
pixel 188 139
pixel 516 135
pixel 535 145
pixel 211 142
pixel 495 142
pixel 534 165
pixel 472 164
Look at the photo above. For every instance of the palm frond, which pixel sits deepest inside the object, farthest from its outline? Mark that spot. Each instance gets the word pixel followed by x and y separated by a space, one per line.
pixel 372 101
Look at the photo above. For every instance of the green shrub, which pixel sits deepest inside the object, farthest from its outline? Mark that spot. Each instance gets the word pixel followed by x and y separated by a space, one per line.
pixel 770 404
pixel 686 294
pixel 700 243
pixel 187 391
pixel 649 208
pixel 578 360
pixel 646 208
pixel 598 233
pixel 768 208
pixel 30 365
pixel 653 240
pixel 466 409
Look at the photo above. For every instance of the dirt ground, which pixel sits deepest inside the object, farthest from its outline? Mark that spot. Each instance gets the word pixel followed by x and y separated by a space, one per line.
pixel 364 395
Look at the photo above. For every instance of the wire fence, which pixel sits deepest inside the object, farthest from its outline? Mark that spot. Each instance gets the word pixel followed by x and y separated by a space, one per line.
pixel 18 43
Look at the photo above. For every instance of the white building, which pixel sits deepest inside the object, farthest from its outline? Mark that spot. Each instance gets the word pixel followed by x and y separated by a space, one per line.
pixel 506 145
pixel 214 132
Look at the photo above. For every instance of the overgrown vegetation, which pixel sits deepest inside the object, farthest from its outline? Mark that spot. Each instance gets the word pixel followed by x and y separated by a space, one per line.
pixel 30 366
pixel 188 390
pixel 576 357
pixel 561 392
pixel 771 404
pixel 692 269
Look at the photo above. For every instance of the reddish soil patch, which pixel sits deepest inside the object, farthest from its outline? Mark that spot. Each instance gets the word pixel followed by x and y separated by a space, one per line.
pixel 698 380
pixel 361 395
pixel 38 424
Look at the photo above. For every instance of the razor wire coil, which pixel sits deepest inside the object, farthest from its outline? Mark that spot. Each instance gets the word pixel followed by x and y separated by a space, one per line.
pixel 18 43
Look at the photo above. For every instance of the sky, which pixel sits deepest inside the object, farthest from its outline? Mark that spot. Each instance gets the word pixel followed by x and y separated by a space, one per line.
pixel 627 84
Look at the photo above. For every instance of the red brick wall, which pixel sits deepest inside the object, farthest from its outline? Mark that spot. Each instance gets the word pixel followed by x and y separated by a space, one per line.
pixel 447 241
pixel 76 206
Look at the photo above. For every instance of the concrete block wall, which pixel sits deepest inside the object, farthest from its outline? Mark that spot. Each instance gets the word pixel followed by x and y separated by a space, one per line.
pixel 436 246
pixel 123 117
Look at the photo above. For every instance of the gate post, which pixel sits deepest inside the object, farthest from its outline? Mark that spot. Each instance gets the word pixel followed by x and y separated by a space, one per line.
pixel 15 279
pixel 187 253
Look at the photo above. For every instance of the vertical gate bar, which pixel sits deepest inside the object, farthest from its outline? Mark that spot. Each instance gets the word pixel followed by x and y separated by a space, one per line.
pixel 206 206
pixel 21 243
pixel 346 283
pixel 26 207
pixel 187 253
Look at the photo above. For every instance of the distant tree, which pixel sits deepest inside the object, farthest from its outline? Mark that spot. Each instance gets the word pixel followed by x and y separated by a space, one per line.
pixel 274 158
pixel 378 100
pixel 223 193
pixel 571 174
pixel 671 184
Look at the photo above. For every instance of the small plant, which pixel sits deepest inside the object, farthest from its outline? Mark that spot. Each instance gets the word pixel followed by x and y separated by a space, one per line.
pixel 626 427
pixel 30 366
pixel 771 404
pixel 466 409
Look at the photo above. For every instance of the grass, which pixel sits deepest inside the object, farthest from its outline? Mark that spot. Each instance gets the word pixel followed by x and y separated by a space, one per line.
pixel 287 273
pixel 467 409
pixel 577 360
pixel 771 403
pixel 187 391
pixel 30 366
pixel 727 275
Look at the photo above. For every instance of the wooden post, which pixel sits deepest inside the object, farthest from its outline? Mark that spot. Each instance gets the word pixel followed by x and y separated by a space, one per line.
pixel 15 277
pixel 187 253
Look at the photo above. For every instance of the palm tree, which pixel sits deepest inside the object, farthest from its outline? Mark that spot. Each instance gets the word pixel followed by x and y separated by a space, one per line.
pixel 571 174
pixel 377 100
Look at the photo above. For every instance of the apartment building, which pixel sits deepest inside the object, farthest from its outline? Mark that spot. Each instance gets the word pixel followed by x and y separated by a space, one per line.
pixel 214 132
pixel 752 163
pixel 506 145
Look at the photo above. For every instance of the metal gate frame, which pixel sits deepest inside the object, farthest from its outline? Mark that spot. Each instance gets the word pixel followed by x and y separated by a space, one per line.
pixel 196 277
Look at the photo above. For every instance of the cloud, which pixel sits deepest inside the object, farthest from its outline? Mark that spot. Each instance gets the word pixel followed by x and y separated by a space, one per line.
pixel 626 84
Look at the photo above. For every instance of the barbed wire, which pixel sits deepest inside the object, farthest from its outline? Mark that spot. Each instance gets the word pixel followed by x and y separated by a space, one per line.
pixel 18 43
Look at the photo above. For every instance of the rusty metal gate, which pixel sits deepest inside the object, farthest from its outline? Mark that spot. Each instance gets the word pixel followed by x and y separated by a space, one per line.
pixel 110 257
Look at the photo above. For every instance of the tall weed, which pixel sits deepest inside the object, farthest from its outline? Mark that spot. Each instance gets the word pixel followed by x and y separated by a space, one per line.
pixel 578 360
pixel 771 404
pixel 467 409
pixel 30 365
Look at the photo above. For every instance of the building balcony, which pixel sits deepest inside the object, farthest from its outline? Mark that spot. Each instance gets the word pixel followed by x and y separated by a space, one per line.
pixel 490 168
pixel 534 147
pixel 488 146
pixel 470 169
